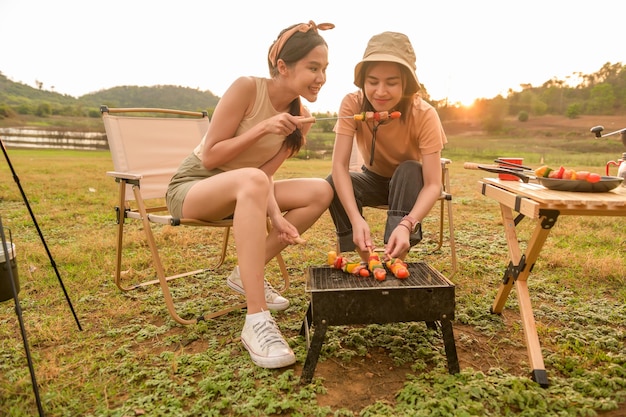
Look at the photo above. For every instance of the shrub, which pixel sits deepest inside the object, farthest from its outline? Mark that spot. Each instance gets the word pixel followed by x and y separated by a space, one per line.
pixel 6 111
pixel 573 111
pixel 522 116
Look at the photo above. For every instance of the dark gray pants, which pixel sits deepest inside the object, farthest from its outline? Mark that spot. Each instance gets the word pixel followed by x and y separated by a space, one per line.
pixel 371 190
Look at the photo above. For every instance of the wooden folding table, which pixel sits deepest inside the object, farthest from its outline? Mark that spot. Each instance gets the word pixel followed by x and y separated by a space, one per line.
pixel 537 202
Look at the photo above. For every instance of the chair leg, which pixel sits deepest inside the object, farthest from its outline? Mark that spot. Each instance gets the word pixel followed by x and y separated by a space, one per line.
pixel 441 217
pixel 452 240
pixel 224 247
pixel 284 272
pixel 121 217
pixel 281 264
pixel 158 265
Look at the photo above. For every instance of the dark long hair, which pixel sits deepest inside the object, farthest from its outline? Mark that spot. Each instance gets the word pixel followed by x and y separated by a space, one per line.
pixel 296 48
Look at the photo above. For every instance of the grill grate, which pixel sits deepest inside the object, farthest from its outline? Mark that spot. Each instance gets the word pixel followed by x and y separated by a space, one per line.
pixel 329 279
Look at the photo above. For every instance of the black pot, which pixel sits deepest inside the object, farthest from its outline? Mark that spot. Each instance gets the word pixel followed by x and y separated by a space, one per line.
pixel 6 262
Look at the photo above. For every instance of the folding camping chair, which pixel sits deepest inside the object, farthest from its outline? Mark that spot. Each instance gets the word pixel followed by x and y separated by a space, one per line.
pixel 356 162
pixel 146 151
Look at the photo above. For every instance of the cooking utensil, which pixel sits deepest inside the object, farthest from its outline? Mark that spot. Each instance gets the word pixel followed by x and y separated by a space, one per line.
pixel 511 164
pixel 606 183
pixel 523 174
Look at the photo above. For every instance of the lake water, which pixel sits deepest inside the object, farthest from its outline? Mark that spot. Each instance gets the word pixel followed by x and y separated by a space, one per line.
pixel 53 139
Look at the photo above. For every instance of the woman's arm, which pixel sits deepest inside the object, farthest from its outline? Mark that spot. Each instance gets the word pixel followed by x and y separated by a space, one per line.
pixel 431 171
pixel 345 192
pixel 398 244
pixel 221 145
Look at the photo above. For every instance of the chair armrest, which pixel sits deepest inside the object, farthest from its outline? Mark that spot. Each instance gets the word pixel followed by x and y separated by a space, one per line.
pixel 124 175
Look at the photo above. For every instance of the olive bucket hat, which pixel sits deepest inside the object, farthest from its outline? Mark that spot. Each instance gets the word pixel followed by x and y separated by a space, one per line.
pixel 389 47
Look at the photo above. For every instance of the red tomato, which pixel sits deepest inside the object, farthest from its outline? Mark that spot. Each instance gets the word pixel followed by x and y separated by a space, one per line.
pixel 364 272
pixel 402 273
pixel 568 174
pixel 594 177
pixel 380 274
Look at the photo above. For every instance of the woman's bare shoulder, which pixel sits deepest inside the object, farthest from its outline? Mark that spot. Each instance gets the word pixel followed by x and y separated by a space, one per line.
pixel 246 83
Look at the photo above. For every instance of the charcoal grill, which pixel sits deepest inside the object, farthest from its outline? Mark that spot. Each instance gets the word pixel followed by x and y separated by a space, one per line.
pixel 338 298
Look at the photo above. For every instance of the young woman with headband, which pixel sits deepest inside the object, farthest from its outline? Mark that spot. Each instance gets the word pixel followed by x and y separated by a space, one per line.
pixel 254 129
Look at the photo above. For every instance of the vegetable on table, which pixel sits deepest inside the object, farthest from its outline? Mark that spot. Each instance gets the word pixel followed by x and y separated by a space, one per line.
pixel 563 173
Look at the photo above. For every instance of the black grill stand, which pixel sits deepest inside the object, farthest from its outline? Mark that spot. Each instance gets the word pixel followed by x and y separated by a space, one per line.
pixel 338 298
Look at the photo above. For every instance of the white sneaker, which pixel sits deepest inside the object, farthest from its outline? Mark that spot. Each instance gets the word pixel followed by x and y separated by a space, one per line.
pixel 265 344
pixel 274 300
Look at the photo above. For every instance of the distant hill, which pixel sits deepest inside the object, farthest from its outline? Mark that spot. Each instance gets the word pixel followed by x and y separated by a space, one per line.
pixel 14 94
pixel 24 99
pixel 162 96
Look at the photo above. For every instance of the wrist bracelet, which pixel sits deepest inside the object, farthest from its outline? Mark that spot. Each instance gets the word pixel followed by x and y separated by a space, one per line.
pixel 407 227
pixel 411 221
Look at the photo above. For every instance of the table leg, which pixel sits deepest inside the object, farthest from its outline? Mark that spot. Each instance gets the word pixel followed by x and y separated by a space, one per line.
pixel 514 255
pixel 517 273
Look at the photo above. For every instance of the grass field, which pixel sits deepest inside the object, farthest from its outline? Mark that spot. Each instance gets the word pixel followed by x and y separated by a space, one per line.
pixel 131 359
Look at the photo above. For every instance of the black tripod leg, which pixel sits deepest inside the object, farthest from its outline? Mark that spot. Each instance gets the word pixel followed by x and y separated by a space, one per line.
pixel 18 311
pixel 32 216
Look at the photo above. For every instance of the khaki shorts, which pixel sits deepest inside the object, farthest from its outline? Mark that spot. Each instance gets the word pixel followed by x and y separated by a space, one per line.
pixel 188 174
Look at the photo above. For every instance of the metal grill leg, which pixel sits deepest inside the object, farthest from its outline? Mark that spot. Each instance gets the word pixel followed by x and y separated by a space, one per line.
pixel 448 341
pixel 314 352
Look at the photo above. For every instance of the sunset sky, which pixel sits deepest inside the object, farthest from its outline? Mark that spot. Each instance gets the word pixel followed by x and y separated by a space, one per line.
pixel 465 49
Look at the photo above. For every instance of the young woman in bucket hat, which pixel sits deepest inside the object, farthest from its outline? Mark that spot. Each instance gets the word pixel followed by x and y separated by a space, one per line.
pixel 402 167
pixel 255 127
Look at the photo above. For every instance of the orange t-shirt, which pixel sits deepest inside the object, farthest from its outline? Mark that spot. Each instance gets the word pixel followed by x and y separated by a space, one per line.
pixel 396 141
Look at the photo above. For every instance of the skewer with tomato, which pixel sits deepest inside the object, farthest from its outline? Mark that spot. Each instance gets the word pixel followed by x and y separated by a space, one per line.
pixel 398 268
pixel 366 116
pixel 563 173
pixel 341 262
pixel 376 266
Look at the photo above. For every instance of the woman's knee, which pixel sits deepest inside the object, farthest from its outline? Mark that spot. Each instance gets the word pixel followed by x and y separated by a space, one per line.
pixel 409 168
pixel 325 192
pixel 407 171
pixel 316 192
pixel 253 182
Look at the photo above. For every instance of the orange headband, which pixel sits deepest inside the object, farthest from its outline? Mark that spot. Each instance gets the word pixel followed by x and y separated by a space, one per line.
pixel 282 39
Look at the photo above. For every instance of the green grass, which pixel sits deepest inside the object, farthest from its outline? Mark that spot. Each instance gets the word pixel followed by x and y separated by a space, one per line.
pixel 132 359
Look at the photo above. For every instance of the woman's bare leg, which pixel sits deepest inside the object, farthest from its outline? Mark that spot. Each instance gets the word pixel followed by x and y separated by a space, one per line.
pixel 245 191
pixel 304 200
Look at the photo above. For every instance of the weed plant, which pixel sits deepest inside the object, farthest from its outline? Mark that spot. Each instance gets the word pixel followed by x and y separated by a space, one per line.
pixel 132 359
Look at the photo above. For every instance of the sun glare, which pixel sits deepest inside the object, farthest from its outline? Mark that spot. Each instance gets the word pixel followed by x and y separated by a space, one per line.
pixel 461 101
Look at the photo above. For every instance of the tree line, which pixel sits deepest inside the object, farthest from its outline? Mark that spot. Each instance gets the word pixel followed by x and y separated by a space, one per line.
pixel 600 93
